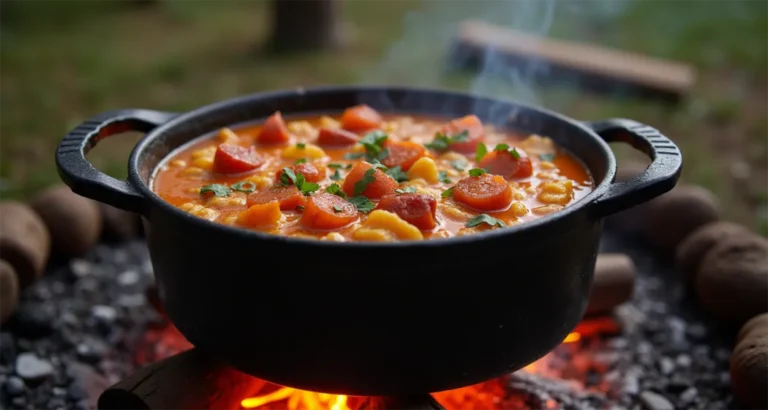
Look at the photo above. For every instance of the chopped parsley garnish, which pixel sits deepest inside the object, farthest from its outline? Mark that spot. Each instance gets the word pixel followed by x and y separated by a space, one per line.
pixel 365 181
pixel 442 176
pixel 337 209
pixel 335 189
pixel 336 175
pixel 288 177
pixel 362 203
pixel 459 164
pixel 505 148
pixel 379 165
pixel 216 190
pixel 354 155
pixel 373 142
pixel 397 174
pixel 448 192
pixel 484 219
pixel 480 152
pixel 406 190
pixel 547 157
pixel 301 145
pixel 336 166
pixel 300 208
pixel 442 141
pixel 476 172
pixel 244 186
pixel 300 161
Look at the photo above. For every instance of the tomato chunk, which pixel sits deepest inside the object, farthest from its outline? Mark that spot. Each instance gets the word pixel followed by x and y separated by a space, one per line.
pixel 311 172
pixel 232 159
pixel 381 185
pixel 475 133
pixel 416 209
pixel 360 118
pixel 326 211
pixel 505 164
pixel 289 197
pixel 274 130
pixel 485 192
pixel 402 153
pixel 337 137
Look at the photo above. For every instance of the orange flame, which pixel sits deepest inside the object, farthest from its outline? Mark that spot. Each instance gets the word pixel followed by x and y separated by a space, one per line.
pixel 298 400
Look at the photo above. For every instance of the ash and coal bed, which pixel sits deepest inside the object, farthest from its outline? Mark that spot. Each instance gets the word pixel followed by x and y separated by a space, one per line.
pixel 84 327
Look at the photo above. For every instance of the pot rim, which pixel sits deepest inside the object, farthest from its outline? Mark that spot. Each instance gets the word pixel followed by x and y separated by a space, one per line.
pixel 301 92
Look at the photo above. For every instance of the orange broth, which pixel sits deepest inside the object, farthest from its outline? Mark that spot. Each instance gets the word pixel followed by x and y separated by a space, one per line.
pixel 556 180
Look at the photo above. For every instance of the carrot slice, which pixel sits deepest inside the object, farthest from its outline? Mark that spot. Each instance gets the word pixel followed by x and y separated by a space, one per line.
pixel 505 164
pixel 264 215
pixel 326 211
pixel 416 209
pixel 337 137
pixel 311 172
pixel 274 130
pixel 485 192
pixel 381 184
pixel 475 133
pixel 360 118
pixel 231 159
pixel 402 153
pixel 289 197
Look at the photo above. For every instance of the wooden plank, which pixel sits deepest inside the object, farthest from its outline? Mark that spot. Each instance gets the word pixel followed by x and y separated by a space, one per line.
pixel 651 75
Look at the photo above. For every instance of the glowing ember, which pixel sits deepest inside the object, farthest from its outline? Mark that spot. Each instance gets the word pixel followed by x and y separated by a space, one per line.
pixel 572 337
pixel 297 400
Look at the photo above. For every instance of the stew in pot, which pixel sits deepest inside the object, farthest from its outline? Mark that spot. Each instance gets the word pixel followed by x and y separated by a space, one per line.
pixel 365 176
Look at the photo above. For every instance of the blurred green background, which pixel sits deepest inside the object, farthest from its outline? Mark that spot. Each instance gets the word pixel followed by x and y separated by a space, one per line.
pixel 62 61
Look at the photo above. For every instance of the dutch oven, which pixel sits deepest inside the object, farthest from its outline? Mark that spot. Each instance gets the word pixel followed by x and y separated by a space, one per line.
pixel 372 318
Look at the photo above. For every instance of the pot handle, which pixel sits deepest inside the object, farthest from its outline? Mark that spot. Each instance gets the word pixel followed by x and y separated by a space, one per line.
pixel 660 177
pixel 80 175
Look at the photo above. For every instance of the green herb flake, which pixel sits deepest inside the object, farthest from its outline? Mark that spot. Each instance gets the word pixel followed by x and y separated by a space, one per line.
pixel 244 186
pixel 547 157
pixel 216 190
pixel 354 155
pixel 485 219
pixel 335 189
pixel 514 153
pixel 336 166
pixel 288 177
pixel 442 141
pixel 459 164
pixel 337 209
pixel 501 147
pixel 505 148
pixel 406 190
pixel 442 176
pixel 379 165
pixel 301 145
pixel 336 176
pixel 306 187
pixel 365 181
pixel 476 172
pixel 300 208
pixel 349 166
pixel 300 161
pixel 448 192
pixel 373 142
pixel 397 174
pixel 480 152
pixel 362 203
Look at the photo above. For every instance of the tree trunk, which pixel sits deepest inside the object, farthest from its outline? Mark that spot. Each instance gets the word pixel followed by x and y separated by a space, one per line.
pixel 300 25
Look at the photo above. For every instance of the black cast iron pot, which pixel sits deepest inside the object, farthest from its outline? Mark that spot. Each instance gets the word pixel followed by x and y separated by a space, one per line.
pixel 372 318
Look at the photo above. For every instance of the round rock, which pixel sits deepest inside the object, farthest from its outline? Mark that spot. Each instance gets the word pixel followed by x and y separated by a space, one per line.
pixel 119 225
pixel 732 281
pixel 32 368
pixel 749 364
pixel 678 213
pixel 74 221
pixel 754 323
pixel 696 245
pixel 24 241
pixel 9 290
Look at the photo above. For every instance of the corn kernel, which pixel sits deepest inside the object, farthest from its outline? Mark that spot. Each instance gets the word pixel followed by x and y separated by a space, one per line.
pixel 308 151
pixel 300 127
pixel 204 152
pixel 328 122
pixel 334 237
pixel 187 206
pixel 442 233
pixel 545 175
pixel 179 163
pixel 467 231
pixel 230 219
pixel 455 213
pixel 559 192
pixel 518 194
pixel 203 162
pixel 391 222
pixel 434 193
pixel 194 191
pixel 228 136
pixel 417 182
pixel 537 145
pixel 452 156
pixel 452 173
pixel 261 181
pixel 390 126
pixel 530 189
pixel 518 209
pixel 377 235
pixel 424 168
pixel 193 171
pixel 547 165
pixel 226 201
pixel 546 209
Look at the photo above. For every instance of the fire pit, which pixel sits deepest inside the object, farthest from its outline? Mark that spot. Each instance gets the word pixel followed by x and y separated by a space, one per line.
pixel 655 350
